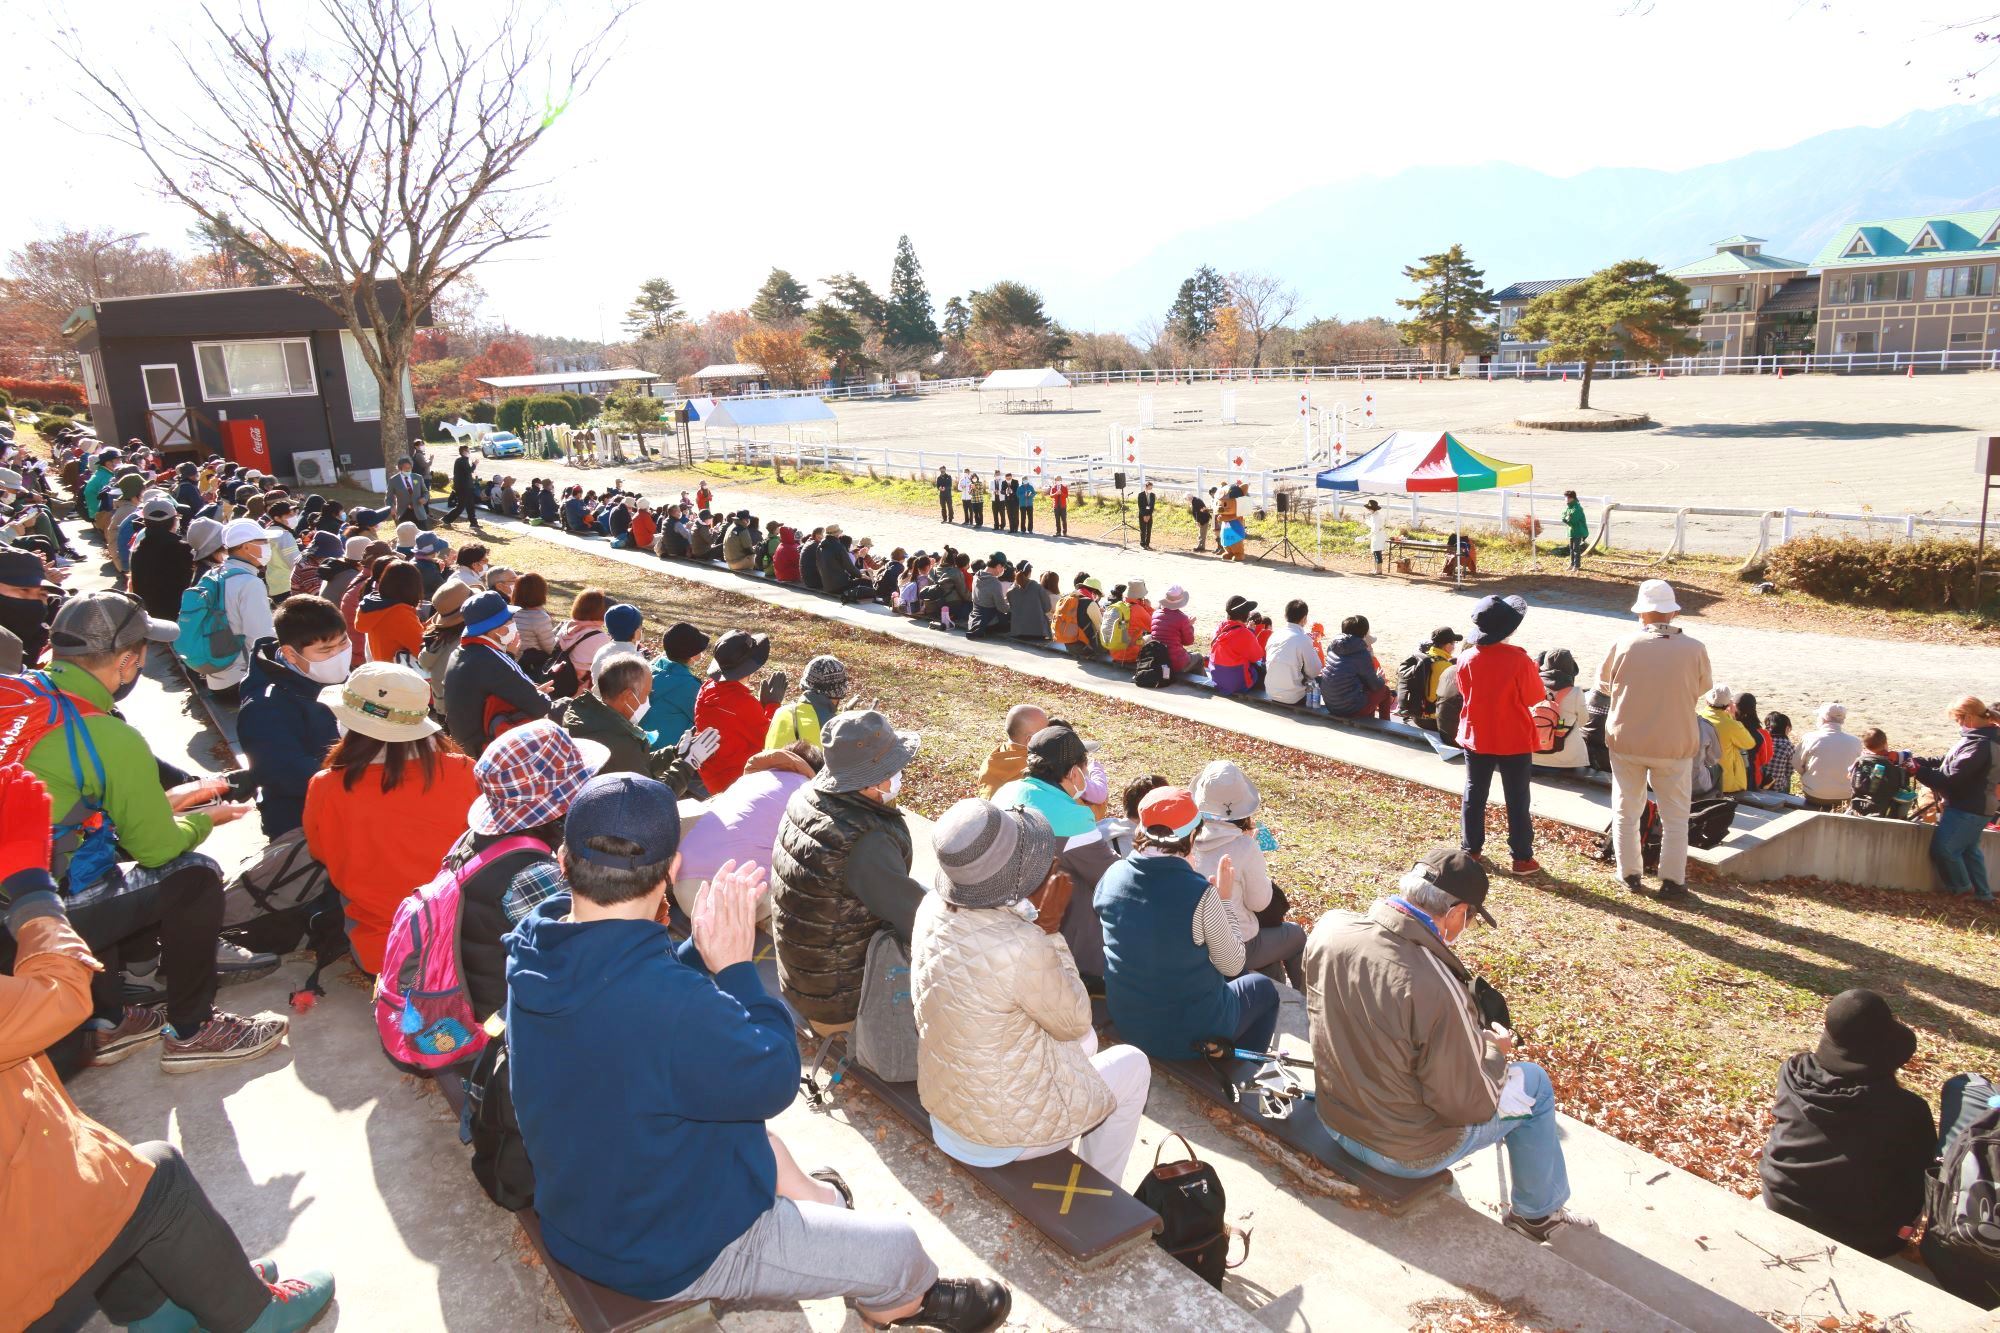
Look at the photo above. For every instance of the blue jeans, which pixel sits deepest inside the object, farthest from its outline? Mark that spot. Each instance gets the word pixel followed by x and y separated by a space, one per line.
pixel 1956 853
pixel 1514 771
pixel 1534 1151
pixel 1257 1010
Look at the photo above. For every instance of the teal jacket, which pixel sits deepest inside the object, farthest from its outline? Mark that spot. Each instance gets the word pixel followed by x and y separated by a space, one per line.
pixel 670 711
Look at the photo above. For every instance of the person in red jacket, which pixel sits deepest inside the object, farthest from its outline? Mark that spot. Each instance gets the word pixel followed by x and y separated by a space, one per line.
pixel 739 717
pixel 1235 657
pixel 1500 684
pixel 785 560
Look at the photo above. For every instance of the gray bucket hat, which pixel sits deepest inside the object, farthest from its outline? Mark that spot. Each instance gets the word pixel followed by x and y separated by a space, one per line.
pixel 1223 792
pixel 862 750
pixel 989 857
pixel 204 537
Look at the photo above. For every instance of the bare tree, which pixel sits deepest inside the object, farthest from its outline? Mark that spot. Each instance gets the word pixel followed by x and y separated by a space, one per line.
pixel 1263 302
pixel 375 168
pixel 51 277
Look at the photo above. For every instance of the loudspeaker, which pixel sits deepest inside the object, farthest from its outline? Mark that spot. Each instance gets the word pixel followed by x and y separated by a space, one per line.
pixel 1284 502
pixel 1986 456
pixel 1118 481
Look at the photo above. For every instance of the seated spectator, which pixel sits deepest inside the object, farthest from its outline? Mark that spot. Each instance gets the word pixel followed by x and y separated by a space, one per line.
pixel 1227 799
pixel 673 543
pixel 583 635
pixel 840 869
pixel 1119 828
pixel 162 567
pixel 1126 621
pixel 1849 1145
pixel 1778 772
pixel 388 615
pixel 283 728
pixel 1410 1077
pixel 575 517
pixel 247 605
pixel 1028 607
pixel 431 550
pixel 1826 758
pixel 619 689
pixel 623 627
pixel 1174 628
pixel 29 602
pixel 702 542
pixel 740 718
pixel 1235 656
pixel 824 685
pixel 485 690
pixel 1718 710
pixel 670 711
pixel 1291 659
pixel 949 596
pixel 320 550
pixel 1171 956
pixel 1758 753
pixel 530 600
pixel 500 579
pixel 1007 1061
pixel 1351 685
pixel 645 530
pixel 1964 782
pixel 607 1020
pixel 391 769
pixel 785 560
pixel 990 615
pixel 1055 783
pixel 121 1230
pixel 136 873
pixel 741 825
pixel 1418 680
pixel 1009 759
pixel 739 544
pixel 1559 672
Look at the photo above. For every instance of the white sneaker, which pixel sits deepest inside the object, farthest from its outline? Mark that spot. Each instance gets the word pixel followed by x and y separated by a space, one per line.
pixel 1542 1229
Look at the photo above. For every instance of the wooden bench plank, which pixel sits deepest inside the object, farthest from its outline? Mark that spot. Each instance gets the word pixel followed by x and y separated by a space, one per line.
pixel 1303 1132
pixel 602 1310
pixel 1077 1210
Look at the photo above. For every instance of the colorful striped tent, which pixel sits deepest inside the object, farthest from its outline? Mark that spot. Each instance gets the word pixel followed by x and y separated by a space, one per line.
pixel 1423 461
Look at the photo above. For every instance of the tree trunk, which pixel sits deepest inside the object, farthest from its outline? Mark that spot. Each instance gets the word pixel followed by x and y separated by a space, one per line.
pixel 394 425
pixel 1583 399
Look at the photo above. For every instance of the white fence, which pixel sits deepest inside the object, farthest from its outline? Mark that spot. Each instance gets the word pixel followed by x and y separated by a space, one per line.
pixel 1855 363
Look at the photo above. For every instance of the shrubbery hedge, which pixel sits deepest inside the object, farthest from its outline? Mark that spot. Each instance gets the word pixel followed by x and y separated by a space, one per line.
pixel 1930 574
pixel 544 409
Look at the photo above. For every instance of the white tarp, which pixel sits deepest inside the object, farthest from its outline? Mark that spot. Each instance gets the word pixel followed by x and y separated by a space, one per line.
pixel 1044 378
pixel 735 370
pixel 750 412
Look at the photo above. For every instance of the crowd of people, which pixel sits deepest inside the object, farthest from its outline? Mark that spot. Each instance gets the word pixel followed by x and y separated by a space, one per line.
pixel 535 772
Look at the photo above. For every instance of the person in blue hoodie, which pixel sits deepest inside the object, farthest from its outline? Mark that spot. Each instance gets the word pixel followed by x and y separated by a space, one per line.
pixel 644 1073
pixel 284 729
pixel 1964 781
pixel 675 683
pixel 1352 685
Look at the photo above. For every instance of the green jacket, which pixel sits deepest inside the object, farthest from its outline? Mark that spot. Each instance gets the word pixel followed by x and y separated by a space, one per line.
pixel 589 718
pixel 1579 526
pixel 97 482
pixel 149 832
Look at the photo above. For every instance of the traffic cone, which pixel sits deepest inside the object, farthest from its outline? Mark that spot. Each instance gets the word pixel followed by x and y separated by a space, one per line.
pixel 1911 373
pixel 1565 377
pixel 1781 372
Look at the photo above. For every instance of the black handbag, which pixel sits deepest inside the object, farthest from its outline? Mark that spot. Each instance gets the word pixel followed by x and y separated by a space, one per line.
pixel 499 1156
pixel 1188 1197
pixel 1273 913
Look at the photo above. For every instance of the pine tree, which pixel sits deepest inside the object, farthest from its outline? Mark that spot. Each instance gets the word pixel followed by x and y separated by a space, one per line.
pixel 957 319
pixel 653 310
pixel 781 299
pixel 1630 309
pixel 1452 305
pixel 834 332
pixel 1191 318
pixel 909 324
pixel 859 300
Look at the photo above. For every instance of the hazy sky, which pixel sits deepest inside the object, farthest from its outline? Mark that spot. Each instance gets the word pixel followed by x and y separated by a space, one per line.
pixel 1040 141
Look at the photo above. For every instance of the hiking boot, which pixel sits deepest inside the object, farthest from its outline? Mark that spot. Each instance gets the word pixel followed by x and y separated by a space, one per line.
pixel 826 1175
pixel 136 1026
pixel 962 1305
pixel 1671 892
pixel 1632 884
pixel 171 1318
pixel 1542 1229
pixel 295 1302
pixel 1528 867
pixel 224 1039
pixel 235 964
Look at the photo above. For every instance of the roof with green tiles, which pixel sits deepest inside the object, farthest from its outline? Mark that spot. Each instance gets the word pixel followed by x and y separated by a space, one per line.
pixel 1902 240
pixel 1726 262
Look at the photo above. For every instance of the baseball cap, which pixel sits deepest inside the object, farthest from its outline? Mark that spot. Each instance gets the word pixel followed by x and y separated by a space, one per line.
pixel 1458 873
pixel 1058 747
pixel 628 806
pixel 1169 808
pixel 105 622
pixel 158 508
pixel 22 569
pixel 1444 636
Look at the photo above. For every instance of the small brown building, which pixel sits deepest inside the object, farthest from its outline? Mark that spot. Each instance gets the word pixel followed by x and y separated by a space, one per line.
pixel 1920 285
pixel 1751 303
pixel 172 369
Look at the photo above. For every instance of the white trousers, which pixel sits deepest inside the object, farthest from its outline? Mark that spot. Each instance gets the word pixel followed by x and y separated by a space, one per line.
pixel 1107 1147
pixel 1672 781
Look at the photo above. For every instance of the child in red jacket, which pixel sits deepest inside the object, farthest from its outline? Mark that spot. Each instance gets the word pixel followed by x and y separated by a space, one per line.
pixel 739 717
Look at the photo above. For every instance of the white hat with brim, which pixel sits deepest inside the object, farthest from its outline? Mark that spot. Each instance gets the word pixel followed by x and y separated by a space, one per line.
pixel 384 701
pixel 1657 597
pixel 243 531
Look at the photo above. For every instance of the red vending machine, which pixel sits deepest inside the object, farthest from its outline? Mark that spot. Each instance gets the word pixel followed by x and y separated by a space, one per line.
pixel 246 443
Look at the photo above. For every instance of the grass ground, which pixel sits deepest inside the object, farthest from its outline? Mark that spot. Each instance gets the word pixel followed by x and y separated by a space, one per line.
pixel 1663 1025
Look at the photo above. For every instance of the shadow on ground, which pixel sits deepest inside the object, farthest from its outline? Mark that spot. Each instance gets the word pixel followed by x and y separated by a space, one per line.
pixel 1819 430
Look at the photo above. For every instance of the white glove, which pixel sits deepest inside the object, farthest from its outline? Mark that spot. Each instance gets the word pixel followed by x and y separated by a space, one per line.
pixel 698 747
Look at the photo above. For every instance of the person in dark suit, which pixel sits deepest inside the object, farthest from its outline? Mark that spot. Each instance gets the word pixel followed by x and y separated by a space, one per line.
pixel 1008 503
pixel 1147 501
pixel 944 490
pixel 464 490
pixel 1198 507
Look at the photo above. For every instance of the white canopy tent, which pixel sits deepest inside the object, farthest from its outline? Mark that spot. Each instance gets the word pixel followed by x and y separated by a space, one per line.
pixel 1029 388
pixel 792 416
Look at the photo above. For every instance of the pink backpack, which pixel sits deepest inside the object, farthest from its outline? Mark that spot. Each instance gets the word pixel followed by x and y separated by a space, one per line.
pixel 422 1011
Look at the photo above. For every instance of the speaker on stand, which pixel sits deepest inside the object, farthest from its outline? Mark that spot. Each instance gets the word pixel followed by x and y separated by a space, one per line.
pixel 1122 529
pixel 1284 547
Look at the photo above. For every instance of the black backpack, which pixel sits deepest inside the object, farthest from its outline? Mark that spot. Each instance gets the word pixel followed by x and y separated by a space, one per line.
pixel 499 1157
pixel 284 900
pixel 1413 684
pixel 1962 1207
pixel 1189 1199
pixel 1153 667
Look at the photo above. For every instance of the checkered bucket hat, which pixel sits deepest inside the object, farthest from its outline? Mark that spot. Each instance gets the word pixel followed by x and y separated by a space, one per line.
pixel 528 776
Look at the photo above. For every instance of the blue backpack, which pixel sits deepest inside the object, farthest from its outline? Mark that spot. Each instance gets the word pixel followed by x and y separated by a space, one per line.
pixel 206 642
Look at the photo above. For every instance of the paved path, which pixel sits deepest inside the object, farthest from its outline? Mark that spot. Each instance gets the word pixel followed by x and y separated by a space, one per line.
pixel 1905 688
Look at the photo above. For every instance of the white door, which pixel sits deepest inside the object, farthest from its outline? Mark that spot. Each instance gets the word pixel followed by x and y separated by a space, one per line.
pixel 166 407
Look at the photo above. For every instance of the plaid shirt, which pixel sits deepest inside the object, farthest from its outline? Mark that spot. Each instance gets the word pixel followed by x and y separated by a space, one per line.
pixel 1778 771
pixel 539 880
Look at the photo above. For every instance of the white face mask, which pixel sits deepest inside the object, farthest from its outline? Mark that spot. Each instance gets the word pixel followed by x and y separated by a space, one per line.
pixel 895 784
pixel 332 670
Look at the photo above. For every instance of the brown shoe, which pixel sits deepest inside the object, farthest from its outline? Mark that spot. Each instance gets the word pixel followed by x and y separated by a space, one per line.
pixel 139 1024
pixel 224 1039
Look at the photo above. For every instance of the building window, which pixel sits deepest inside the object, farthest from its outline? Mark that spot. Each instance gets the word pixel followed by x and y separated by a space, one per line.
pixel 1858 246
pixel 1927 239
pixel 1862 344
pixel 1898 285
pixel 1964 280
pixel 1712 347
pixel 364 394
pixel 268 368
pixel 92 394
pixel 1969 338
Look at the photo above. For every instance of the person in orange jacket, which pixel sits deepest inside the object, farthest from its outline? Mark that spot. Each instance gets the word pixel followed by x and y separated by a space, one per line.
pixel 97 1224
pixel 739 717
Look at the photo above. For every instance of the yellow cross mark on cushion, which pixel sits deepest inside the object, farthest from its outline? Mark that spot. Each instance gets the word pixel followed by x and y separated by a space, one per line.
pixel 1070 1189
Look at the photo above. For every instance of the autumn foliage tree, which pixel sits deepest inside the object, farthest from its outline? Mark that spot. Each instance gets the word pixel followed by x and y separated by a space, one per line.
pixel 787 361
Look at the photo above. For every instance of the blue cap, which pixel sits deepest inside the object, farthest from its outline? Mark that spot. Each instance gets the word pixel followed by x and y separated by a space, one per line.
pixel 431 544
pixel 622 622
pixel 624 805
pixel 325 545
pixel 485 613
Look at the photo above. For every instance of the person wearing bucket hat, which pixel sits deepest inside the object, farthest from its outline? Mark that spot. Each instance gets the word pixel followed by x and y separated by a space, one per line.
pixel 1053 783
pixel 1172 958
pixel 670 709
pixel 1411 1074
pixel 485 690
pixel 28 601
pixel 739 717
pixel 1174 628
pixel 1006 1061
pixel 840 869
pixel 823 686
pixel 1228 799
pixel 1849 1145
pixel 1652 679
pixel 1499 686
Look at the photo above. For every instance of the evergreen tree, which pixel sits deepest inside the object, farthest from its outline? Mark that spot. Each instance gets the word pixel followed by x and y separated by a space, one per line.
pixel 1191 318
pixel 653 309
pixel 859 300
pixel 1630 309
pixel 957 319
pixel 834 332
pixel 781 299
pixel 909 324
pixel 1452 305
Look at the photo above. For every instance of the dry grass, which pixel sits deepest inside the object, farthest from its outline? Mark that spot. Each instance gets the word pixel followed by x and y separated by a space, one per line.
pixel 1663 1025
